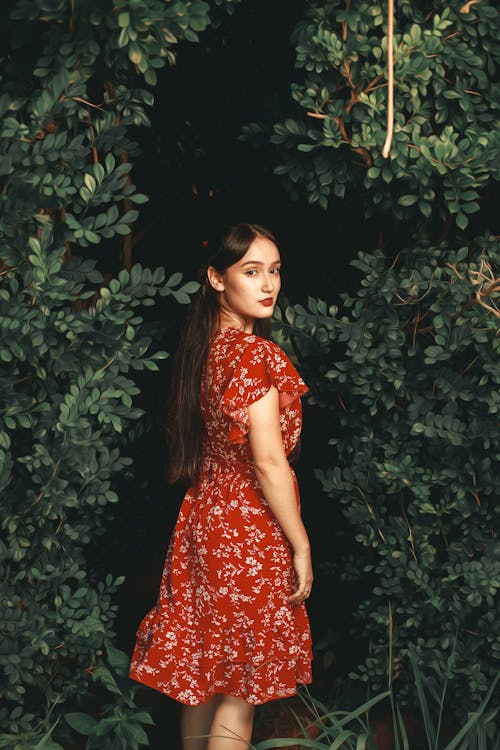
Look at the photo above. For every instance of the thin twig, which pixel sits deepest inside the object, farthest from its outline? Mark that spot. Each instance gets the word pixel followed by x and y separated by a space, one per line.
pixel 390 79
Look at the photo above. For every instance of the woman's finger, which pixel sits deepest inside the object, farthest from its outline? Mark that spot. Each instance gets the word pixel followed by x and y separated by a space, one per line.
pixel 303 592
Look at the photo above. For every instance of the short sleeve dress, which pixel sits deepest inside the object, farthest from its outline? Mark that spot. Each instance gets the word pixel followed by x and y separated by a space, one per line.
pixel 222 622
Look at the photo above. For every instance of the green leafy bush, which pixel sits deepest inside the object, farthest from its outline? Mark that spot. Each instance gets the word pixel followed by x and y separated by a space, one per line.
pixel 446 123
pixel 408 370
pixel 72 333
pixel 407 365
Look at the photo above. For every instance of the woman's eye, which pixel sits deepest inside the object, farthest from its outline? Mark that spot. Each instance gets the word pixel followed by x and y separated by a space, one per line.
pixel 254 271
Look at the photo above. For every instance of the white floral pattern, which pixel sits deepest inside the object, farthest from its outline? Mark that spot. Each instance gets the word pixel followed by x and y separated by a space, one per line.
pixel 222 622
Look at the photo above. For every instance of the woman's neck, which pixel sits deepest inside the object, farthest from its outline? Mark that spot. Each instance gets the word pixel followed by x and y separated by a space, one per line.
pixel 230 319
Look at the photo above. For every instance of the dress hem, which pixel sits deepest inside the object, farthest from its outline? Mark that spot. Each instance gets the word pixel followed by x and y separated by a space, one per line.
pixel 171 693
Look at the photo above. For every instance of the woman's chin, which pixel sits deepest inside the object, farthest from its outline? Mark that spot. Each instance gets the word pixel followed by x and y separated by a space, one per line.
pixel 266 312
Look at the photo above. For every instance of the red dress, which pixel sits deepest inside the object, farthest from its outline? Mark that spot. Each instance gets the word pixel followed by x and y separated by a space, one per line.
pixel 223 622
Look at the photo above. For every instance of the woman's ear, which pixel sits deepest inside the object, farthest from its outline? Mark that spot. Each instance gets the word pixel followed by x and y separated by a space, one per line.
pixel 215 279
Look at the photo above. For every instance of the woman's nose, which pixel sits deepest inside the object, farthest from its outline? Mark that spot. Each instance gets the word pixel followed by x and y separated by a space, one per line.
pixel 267 283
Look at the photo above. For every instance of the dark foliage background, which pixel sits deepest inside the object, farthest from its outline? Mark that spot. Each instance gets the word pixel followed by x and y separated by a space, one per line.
pixel 200 176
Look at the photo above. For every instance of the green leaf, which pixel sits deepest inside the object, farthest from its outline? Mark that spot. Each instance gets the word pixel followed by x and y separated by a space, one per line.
pixel 139 198
pixel 174 279
pixel 82 723
pixel 190 287
pixel 118 660
pixel 123 19
pixel 407 200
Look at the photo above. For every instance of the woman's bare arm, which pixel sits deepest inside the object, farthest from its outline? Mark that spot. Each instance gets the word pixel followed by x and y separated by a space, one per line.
pixel 276 481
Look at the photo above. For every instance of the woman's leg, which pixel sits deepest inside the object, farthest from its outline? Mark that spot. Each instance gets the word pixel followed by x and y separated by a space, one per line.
pixel 232 724
pixel 196 722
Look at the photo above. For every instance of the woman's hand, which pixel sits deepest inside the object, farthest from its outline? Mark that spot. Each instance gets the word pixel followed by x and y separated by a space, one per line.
pixel 303 568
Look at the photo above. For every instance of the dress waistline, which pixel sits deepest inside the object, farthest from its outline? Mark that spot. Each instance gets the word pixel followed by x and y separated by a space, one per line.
pixel 212 466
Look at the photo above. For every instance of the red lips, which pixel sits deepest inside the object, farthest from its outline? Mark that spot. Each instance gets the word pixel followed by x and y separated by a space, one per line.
pixel 267 302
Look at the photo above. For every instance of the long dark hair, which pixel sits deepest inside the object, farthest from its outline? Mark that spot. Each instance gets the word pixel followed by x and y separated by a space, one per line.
pixel 184 423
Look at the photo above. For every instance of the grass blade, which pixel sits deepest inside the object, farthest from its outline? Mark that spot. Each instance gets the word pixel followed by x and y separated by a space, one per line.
pixel 351 715
pixel 449 672
pixel 343 737
pixel 362 741
pixel 424 708
pixel 474 717
pixel 42 743
pixel 290 742
pixel 401 724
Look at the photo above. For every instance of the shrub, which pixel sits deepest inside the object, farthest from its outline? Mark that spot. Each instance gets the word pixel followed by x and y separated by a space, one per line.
pixel 407 366
pixel 407 370
pixel 72 333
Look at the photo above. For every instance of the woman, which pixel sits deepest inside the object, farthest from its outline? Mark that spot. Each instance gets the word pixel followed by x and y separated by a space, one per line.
pixel 230 630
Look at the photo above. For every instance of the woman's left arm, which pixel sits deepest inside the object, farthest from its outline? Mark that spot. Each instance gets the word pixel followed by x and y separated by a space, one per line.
pixel 276 481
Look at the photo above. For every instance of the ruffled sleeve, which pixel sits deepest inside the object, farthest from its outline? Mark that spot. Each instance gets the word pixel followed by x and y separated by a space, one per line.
pixel 261 365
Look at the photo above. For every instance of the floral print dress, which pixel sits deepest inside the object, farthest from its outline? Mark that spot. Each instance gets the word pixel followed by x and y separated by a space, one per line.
pixel 223 622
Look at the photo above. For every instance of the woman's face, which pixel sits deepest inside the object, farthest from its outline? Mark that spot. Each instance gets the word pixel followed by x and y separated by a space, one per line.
pixel 248 289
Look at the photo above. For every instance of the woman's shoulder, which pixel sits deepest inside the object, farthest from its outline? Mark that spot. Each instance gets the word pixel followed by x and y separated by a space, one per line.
pixel 239 349
pixel 253 344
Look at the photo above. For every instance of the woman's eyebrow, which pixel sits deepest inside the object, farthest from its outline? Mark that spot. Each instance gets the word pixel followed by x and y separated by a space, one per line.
pixel 259 263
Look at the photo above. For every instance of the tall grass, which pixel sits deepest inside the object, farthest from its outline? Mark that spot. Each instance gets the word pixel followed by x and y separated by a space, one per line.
pixel 335 728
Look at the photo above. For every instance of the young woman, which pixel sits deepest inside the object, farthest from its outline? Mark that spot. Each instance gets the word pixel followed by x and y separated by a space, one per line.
pixel 229 630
